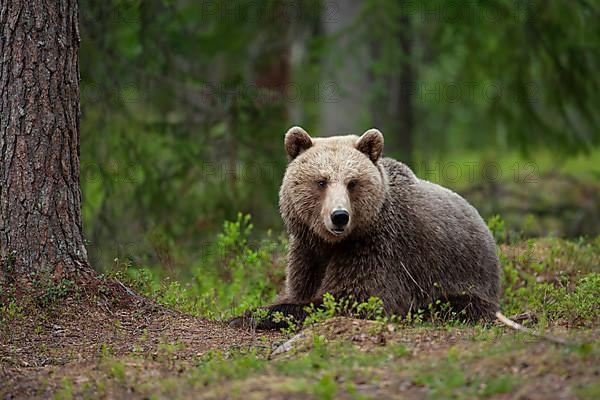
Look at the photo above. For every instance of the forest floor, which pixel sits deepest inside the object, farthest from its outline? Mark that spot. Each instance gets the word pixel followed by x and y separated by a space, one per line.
pixel 136 353
pixel 78 349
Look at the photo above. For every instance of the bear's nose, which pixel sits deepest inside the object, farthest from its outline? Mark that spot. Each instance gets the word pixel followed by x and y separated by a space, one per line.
pixel 340 218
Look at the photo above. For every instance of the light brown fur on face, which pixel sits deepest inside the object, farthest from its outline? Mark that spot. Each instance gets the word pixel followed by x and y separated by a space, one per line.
pixel 352 181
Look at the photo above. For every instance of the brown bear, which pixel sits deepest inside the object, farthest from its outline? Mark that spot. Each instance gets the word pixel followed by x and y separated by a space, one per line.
pixel 361 225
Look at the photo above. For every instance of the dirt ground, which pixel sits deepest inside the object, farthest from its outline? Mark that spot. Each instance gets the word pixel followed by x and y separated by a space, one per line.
pixel 37 351
pixel 154 349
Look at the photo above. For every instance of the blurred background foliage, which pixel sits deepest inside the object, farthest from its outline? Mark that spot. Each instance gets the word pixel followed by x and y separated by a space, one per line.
pixel 184 106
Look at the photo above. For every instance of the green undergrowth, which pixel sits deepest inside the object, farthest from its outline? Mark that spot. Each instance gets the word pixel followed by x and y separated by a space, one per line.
pixel 552 280
pixel 555 280
pixel 232 275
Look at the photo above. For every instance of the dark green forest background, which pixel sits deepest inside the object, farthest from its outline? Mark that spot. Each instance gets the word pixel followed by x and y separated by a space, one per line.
pixel 185 103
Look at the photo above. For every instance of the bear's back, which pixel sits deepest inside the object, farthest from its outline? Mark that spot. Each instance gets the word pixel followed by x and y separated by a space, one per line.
pixel 439 237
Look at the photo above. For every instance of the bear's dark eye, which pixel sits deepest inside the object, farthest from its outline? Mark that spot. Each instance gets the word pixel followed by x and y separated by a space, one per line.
pixel 351 184
pixel 322 183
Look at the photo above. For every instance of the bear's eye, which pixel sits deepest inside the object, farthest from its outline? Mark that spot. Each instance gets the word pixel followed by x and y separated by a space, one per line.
pixel 322 183
pixel 351 184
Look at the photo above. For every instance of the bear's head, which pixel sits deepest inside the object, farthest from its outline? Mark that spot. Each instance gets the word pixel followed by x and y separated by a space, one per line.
pixel 335 186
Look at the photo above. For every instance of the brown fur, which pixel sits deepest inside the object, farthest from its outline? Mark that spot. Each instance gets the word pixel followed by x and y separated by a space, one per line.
pixel 408 241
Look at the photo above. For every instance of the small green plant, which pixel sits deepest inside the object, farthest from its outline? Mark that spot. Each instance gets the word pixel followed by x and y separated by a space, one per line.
pixel 499 385
pixel 66 390
pixel 8 264
pixel 497 226
pixel 289 321
pixel 371 309
pixel 347 306
pixel 10 312
pixel 167 351
pixel 325 388
pixel 415 317
pixel 325 311
pixel 47 291
pixel 116 370
pixel 106 351
pixel 218 366
pixel 140 279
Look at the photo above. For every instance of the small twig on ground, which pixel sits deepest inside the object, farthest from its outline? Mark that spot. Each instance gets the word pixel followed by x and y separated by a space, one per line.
pixel 518 327
pixel 288 345
pixel 129 291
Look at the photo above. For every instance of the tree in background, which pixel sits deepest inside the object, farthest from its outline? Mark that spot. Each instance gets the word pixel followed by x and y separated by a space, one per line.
pixel 184 103
pixel 448 75
pixel 184 108
pixel 40 199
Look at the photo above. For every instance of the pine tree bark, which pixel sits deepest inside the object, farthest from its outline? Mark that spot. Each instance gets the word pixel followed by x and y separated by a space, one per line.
pixel 40 196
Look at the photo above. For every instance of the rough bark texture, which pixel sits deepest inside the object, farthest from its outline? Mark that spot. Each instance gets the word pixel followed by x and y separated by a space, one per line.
pixel 40 196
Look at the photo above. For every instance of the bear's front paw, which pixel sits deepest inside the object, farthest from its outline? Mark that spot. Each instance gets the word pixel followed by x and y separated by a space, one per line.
pixel 246 321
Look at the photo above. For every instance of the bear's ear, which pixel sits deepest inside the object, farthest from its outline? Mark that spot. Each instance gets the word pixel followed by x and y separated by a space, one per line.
pixel 371 143
pixel 296 141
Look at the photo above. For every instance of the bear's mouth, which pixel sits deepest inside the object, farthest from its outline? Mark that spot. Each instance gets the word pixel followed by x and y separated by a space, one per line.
pixel 335 234
pixel 338 231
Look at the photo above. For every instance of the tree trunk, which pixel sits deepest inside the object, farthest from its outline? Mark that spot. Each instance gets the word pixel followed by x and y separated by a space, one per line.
pixel 393 110
pixel 40 196
pixel 343 93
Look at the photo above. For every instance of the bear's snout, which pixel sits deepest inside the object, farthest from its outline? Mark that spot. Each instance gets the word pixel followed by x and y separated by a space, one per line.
pixel 340 219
